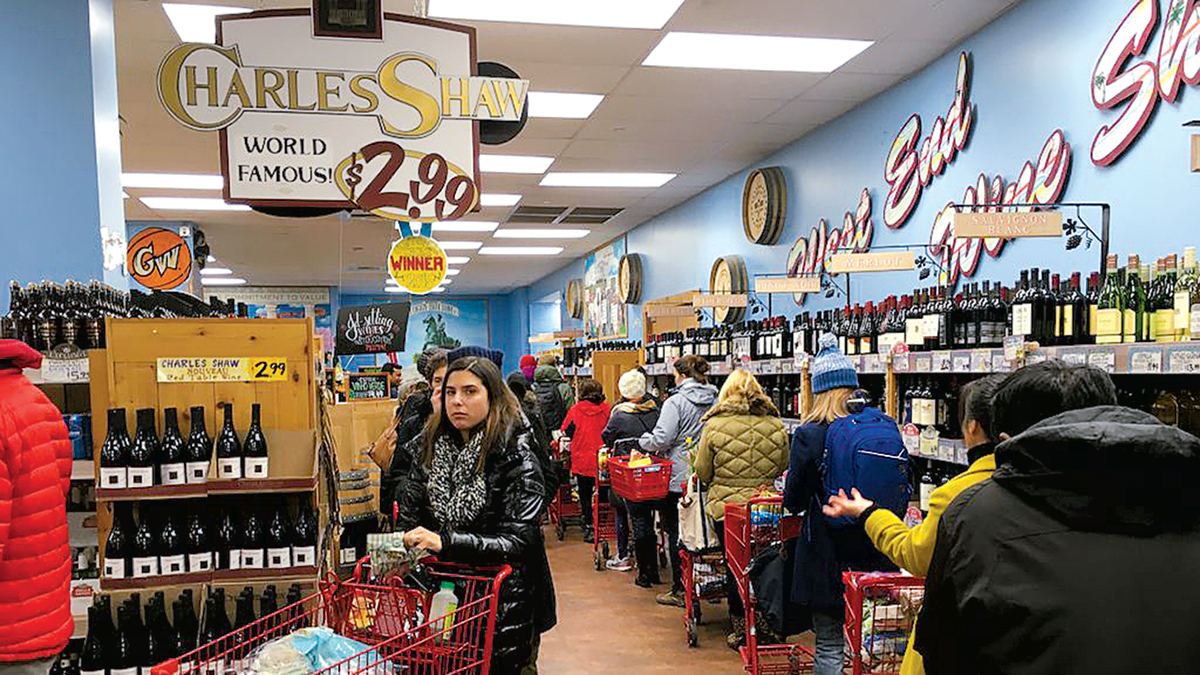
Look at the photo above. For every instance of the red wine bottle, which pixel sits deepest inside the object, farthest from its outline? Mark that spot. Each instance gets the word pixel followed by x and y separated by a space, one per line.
pixel 172 468
pixel 199 448
pixel 279 541
pixel 93 660
pixel 253 553
pixel 228 544
pixel 145 550
pixel 114 452
pixel 304 543
pixel 199 552
pixel 145 451
pixel 118 547
pixel 124 657
pixel 171 558
pixel 244 609
pixel 229 449
pixel 254 450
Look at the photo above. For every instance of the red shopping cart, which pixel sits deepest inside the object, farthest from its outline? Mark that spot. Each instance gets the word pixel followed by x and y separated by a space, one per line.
pixel 880 610
pixel 564 504
pixel 703 574
pixel 388 617
pixel 751 527
pixel 604 523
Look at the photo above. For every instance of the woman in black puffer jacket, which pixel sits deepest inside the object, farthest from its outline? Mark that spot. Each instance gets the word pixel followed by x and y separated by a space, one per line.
pixel 475 497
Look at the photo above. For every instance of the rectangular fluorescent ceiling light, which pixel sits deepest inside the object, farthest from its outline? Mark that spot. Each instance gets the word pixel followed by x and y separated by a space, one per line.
pixel 543 233
pixel 457 260
pixel 222 281
pixel 613 180
pixel 465 226
pixel 608 14
pixel 197 23
pixel 514 163
pixel 494 199
pixel 521 250
pixel 460 245
pixel 450 271
pixel 191 204
pixel 176 181
pixel 216 271
pixel 562 105
pixel 753 52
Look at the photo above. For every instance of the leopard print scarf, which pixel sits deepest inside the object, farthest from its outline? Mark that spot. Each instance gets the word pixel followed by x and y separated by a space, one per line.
pixel 456 490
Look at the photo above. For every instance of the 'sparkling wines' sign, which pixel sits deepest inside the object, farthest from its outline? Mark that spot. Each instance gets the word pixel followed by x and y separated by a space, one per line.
pixel 304 120
pixel 372 329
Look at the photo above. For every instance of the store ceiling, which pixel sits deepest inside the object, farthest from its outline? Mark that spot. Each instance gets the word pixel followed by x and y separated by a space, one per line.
pixel 700 124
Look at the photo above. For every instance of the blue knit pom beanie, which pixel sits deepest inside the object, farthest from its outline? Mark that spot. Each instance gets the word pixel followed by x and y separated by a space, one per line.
pixel 831 369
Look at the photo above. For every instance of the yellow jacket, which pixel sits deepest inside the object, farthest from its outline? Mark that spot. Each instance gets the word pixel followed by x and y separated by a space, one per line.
pixel 912 548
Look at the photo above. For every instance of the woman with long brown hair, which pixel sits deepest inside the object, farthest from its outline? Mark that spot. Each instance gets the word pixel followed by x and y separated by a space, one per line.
pixel 476 498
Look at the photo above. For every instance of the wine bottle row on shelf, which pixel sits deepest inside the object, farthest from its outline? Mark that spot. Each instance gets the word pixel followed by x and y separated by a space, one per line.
pixel 49 314
pixel 134 644
pixel 148 460
pixel 580 355
pixel 1136 303
pixel 243 539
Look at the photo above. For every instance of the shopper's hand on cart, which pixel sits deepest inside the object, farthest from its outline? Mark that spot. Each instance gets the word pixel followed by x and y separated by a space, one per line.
pixel 424 539
pixel 841 505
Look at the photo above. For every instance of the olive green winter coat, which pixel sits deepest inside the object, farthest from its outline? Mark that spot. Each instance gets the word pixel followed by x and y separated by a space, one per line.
pixel 743 446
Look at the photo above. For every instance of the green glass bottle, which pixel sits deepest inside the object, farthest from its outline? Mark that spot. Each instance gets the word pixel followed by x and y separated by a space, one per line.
pixel 1109 306
pixel 1133 328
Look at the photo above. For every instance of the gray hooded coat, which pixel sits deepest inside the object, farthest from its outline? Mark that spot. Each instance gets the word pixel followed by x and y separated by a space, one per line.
pixel 681 419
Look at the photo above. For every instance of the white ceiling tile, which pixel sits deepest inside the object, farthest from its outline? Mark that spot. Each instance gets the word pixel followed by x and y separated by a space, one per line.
pixel 804 111
pixel 567 44
pixel 896 55
pixel 696 105
pixel 552 128
pixel 568 77
pixel 863 19
pixel 855 87
pixel 716 84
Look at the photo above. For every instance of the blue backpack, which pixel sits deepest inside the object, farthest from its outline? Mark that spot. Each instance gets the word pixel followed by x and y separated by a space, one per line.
pixel 864 450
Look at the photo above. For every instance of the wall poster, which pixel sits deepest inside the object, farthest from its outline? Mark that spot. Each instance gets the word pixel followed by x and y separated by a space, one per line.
pixel 604 311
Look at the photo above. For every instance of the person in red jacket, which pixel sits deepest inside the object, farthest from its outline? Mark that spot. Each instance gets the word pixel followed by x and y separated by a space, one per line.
pixel 35 556
pixel 588 417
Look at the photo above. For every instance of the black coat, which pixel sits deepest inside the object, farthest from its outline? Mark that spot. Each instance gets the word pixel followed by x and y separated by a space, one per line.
pixel 414 412
pixel 629 420
pixel 822 552
pixel 507 531
pixel 1076 557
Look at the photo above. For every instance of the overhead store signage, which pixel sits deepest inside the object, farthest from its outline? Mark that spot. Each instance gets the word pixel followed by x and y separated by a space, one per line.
pixel 158 259
pixel 1011 224
pixel 371 329
pixel 871 262
pixel 787 284
pixel 417 263
pixel 222 369
pixel 720 300
pixel 1118 80
pixel 388 125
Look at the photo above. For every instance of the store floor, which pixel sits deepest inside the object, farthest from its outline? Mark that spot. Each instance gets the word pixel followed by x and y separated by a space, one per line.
pixel 608 625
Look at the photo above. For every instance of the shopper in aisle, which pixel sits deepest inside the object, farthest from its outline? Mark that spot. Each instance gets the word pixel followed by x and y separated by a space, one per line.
pixel 912 548
pixel 555 397
pixel 824 551
pixel 520 388
pixel 633 416
pixel 743 447
pixel 494 355
pixel 35 558
pixel 395 375
pixel 393 451
pixel 528 367
pixel 675 434
pixel 1070 559
pixel 583 425
pixel 476 497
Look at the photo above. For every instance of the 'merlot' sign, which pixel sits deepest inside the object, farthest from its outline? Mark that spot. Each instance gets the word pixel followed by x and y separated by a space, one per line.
pixel 871 262
pixel 787 284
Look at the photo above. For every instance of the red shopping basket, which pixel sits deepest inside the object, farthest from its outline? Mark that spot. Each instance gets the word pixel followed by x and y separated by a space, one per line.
pixel 640 484
pixel 391 619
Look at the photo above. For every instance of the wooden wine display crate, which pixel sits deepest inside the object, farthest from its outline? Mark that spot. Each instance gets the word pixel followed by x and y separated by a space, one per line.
pixel 354 426
pixel 125 375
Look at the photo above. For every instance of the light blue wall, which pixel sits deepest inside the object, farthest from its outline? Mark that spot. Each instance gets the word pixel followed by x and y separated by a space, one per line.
pixel 58 183
pixel 1031 75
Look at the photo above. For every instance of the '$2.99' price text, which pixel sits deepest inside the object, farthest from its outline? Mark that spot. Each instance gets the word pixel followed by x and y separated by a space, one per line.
pixel 364 177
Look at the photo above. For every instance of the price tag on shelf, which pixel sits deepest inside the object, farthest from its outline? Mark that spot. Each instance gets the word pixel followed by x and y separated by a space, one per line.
pixel 1145 361
pixel 1014 347
pixel 65 370
pixel 943 362
pixel 1035 357
pixel 787 366
pixel 222 369
pixel 922 363
pixel 960 362
pixel 872 364
pixel 798 361
pixel 1105 360
pixel 981 360
pixel 768 367
pixel 1184 360
pixel 1000 364
pixel 900 362
pixel 1075 357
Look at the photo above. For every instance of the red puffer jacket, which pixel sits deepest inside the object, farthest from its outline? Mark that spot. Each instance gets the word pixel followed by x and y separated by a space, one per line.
pixel 589 420
pixel 35 475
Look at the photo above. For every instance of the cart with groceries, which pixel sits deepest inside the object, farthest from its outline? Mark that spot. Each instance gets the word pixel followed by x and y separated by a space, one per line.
pixel 564 504
pixel 880 610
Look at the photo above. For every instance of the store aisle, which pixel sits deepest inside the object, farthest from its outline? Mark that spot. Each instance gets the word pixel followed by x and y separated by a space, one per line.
pixel 608 625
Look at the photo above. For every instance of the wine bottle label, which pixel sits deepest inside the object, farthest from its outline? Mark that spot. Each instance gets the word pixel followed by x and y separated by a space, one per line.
pixel 114 568
pixel 1195 322
pixel 199 562
pixel 1129 330
pixel 304 556
pixel 1108 326
pixel 92 672
pixel 229 468
pixel 173 474
pixel 171 564
pixel 1023 319
pixel 1181 310
pixel 1164 325
pixel 913 331
pixel 278 558
pixel 113 477
pixel 145 567
pixel 123 671
pixel 929 442
pixel 1066 319
pixel 1093 319
pixel 864 346
pixel 850 346
pixel 141 476
pixel 197 472
pixel 347 556
pixel 235 559
pixel 256 467
pixel 252 559
pixel 926 492
pixel 933 324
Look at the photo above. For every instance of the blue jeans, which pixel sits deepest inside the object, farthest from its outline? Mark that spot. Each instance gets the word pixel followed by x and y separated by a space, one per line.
pixel 830 646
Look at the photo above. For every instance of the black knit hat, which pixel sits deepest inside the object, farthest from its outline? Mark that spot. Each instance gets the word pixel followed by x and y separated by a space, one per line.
pixel 493 355
pixel 425 359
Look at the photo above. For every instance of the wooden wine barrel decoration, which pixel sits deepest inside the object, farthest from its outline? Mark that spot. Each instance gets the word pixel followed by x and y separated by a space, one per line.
pixel 575 298
pixel 728 275
pixel 630 278
pixel 764 205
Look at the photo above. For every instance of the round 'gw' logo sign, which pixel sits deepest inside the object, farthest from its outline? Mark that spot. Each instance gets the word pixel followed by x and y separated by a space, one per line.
pixel 158 258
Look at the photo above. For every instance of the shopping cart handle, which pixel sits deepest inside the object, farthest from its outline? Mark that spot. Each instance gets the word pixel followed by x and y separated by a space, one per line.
pixel 358 568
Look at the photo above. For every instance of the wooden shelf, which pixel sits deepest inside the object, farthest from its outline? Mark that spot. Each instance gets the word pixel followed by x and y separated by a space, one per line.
pixel 233 487
pixel 190 491
pixel 160 581
pixel 272 575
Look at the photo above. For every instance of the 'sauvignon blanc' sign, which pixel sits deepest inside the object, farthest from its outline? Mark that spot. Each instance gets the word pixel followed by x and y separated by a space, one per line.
pixel 296 111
